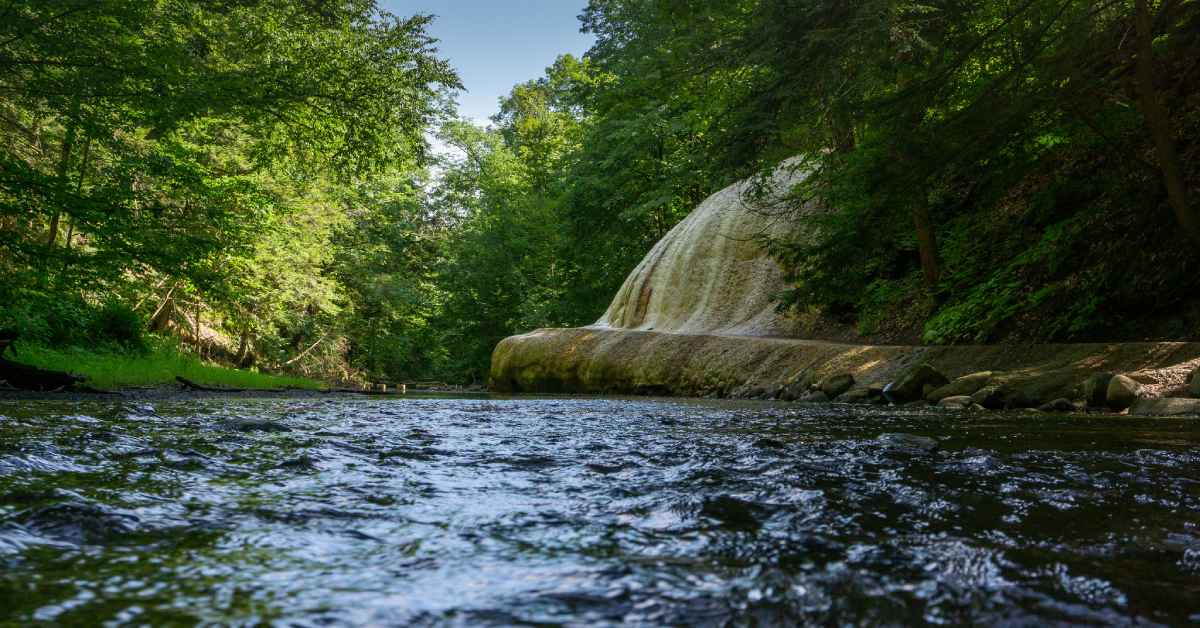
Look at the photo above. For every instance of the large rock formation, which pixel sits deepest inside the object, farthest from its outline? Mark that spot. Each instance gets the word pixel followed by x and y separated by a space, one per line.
pixel 709 275
pixel 696 317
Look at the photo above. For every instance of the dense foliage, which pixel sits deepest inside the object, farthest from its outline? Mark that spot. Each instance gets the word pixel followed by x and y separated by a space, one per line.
pixel 184 164
pixel 1016 169
pixel 254 176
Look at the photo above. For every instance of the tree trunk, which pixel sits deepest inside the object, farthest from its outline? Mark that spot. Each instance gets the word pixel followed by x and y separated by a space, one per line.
pixel 245 356
pixel 87 154
pixel 926 240
pixel 64 162
pixel 1159 123
pixel 196 331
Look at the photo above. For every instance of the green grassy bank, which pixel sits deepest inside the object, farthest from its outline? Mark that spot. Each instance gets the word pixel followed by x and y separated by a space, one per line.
pixel 158 366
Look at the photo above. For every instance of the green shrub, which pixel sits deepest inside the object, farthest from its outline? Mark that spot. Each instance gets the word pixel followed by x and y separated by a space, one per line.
pixel 117 324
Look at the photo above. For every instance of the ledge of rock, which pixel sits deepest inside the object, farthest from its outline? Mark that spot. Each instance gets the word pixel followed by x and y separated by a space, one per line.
pixel 614 361
pixel 697 318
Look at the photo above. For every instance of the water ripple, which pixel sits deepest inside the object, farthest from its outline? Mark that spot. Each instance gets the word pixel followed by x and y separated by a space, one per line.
pixel 590 511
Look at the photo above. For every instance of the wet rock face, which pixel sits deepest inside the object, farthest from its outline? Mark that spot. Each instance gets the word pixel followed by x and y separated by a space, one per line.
pixel 710 273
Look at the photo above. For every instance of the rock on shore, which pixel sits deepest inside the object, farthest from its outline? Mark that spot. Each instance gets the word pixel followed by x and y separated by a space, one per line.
pixel 697 318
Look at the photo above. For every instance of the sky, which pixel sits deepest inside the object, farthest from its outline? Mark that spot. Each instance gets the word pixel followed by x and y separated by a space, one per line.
pixel 495 44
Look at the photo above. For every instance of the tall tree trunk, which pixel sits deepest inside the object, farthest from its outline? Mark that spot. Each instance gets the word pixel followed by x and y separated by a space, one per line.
pixel 87 155
pixel 1159 123
pixel 64 162
pixel 196 331
pixel 926 240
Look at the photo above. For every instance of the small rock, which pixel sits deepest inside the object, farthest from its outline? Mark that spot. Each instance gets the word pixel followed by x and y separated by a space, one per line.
pixel 1169 406
pixel 959 402
pixel 1058 405
pixel 908 443
pixel 814 396
pixel 732 511
pixel 1095 390
pixel 836 385
pixel 604 469
pixel 965 385
pixel 1123 392
pixel 856 395
pixel 769 443
pixel 911 386
pixel 256 425
pixel 304 462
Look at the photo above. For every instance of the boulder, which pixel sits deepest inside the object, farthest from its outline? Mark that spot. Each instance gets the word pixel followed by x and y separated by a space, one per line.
pixel 1002 398
pixel 959 402
pixel 1095 390
pixel 965 385
pixel 1123 392
pixel 911 386
pixel 1169 406
pixel 792 392
pixel 835 385
pixel 1194 388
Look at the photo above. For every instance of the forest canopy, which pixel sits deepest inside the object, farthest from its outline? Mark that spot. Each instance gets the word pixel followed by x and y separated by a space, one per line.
pixel 255 176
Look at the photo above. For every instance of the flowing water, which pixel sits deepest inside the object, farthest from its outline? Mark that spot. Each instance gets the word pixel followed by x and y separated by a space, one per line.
pixel 590 511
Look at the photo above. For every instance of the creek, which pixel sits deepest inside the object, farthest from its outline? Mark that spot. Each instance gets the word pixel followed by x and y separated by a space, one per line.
pixel 517 511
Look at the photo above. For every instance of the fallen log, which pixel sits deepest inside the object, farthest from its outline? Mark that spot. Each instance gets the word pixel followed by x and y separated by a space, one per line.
pixel 25 377
pixel 190 385
pixel 18 376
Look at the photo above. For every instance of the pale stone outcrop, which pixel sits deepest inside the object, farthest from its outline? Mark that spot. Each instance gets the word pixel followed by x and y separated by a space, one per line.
pixel 710 274
pixel 696 317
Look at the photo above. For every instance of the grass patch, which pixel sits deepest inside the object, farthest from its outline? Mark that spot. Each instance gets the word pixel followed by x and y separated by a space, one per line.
pixel 157 367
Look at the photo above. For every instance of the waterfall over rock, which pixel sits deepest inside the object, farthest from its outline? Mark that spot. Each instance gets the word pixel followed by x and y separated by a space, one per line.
pixel 697 318
pixel 710 274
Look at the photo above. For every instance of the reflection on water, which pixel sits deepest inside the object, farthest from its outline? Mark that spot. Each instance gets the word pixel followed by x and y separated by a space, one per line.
pixel 601 511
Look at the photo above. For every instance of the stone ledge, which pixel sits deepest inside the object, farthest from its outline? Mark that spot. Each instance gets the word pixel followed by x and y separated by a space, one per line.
pixel 593 360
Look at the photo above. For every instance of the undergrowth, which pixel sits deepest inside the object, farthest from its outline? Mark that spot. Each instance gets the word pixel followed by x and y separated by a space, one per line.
pixel 158 365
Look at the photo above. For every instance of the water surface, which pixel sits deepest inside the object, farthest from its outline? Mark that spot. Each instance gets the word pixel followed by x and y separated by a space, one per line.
pixel 590 511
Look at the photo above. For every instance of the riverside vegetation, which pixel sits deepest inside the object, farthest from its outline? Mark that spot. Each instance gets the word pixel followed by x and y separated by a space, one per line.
pixel 190 186
pixel 254 177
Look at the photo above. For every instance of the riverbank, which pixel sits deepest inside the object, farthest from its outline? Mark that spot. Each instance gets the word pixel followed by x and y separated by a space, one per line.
pixel 621 361
pixel 158 367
